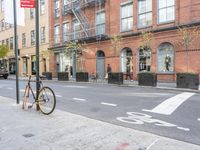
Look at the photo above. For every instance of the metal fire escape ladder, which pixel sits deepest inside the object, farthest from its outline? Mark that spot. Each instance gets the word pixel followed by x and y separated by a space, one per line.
pixel 76 9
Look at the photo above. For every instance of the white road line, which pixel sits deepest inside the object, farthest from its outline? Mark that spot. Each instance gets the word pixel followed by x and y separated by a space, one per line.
pixel 58 95
pixel 170 105
pixel 78 99
pixel 9 88
pixel 185 129
pixel 152 144
pixel 109 104
pixel 198 119
pixel 72 86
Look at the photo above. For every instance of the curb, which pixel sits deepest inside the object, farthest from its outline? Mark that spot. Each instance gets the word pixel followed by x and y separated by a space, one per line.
pixel 123 85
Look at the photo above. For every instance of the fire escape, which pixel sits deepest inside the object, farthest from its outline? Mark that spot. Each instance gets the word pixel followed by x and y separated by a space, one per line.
pixel 75 7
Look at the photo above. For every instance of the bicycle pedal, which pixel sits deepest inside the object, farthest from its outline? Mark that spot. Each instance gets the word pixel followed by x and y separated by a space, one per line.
pixel 30 106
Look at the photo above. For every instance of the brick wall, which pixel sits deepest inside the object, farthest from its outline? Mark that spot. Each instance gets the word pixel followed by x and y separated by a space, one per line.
pixel 187 11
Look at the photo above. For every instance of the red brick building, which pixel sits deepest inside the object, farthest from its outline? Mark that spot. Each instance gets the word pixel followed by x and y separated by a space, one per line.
pixel 96 22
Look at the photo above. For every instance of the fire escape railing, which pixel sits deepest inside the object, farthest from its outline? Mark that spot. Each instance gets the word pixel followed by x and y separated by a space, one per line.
pixel 75 7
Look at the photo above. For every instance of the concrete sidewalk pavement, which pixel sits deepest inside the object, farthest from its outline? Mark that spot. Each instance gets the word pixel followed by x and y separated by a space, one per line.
pixel 31 130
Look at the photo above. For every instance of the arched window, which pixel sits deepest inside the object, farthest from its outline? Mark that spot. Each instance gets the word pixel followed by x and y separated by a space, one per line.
pixel 165 58
pixel 126 58
pixel 145 57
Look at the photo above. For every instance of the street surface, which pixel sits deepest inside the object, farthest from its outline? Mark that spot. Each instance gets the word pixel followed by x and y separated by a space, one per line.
pixel 167 113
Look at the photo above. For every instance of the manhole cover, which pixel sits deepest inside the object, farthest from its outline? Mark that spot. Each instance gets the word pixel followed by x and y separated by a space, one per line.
pixel 28 135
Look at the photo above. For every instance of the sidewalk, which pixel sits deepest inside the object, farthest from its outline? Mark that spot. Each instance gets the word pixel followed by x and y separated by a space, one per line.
pixel 31 130
pixel 127 83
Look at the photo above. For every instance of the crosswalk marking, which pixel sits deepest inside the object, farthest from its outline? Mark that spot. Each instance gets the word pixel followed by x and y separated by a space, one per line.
pixel 170 105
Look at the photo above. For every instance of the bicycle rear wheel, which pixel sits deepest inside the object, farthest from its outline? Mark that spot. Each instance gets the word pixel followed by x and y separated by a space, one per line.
pixel 46 100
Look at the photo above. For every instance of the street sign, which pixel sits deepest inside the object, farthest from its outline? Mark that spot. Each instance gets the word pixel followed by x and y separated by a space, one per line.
pixel 27 3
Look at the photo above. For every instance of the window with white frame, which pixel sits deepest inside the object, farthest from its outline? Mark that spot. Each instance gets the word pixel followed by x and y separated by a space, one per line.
pixel 42 34
pixel 76 29
pixel 42 7
pixel 32 37
pixel 127 17
pixel 100 23
pixel 56 34
pixel 2 25
pixel 2 5
pixel 56 8
pixel 32 13
pixel 23 39
pixel 66 30
pixel 11 42
pixel 7 42
pixel 144 13
pixel 166 11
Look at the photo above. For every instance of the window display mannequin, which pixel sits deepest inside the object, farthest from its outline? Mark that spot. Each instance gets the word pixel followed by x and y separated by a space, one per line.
pixel 167 62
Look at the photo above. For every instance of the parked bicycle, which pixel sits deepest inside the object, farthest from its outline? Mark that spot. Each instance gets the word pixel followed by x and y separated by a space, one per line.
pixel 46 98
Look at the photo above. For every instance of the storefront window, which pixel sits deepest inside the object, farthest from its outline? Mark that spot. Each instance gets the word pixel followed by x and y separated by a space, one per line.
pixel 63 62
pixel 33 64
pixel 145 56
pixel 165 58
pixel 126 60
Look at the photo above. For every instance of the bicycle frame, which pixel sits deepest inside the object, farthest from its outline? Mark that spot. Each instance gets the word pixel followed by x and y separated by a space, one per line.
pixel 29 88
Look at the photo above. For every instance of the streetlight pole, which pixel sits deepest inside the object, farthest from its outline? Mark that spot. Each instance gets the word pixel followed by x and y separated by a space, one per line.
pixel 16 51
pixel 37 50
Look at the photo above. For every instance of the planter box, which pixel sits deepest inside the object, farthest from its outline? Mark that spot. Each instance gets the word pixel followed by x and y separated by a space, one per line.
pixel 147 79
pixel 48 75
pixel 187 80
pixel 82 77
pixel 115 78
pixel 63 76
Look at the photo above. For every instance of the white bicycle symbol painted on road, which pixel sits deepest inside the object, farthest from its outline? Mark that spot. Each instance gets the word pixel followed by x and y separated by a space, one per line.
pixel 140 118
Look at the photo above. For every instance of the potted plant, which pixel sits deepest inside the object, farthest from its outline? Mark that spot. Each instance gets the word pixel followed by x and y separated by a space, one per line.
pixel 146 77
pixel 77 49
pixel 187 79
pixel 115 77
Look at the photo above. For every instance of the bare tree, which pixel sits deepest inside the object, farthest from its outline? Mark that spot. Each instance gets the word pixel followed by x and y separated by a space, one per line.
pixel 146 40
pixel 187 38
pixel 77 49
pixel 116 41
pixel 45 56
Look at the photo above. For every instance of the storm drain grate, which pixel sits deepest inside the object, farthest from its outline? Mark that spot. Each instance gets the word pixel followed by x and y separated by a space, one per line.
pixel 28 135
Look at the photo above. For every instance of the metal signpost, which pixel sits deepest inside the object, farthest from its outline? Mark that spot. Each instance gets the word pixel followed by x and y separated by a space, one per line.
pixel 16 51
pixel 34 4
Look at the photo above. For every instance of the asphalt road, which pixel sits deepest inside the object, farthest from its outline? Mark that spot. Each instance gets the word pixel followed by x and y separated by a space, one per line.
pixel 125 106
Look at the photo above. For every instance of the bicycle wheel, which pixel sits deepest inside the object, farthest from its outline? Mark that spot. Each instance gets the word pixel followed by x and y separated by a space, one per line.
pixel 46 100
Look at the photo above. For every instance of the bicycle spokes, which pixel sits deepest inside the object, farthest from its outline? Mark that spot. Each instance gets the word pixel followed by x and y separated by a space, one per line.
pixel 46 100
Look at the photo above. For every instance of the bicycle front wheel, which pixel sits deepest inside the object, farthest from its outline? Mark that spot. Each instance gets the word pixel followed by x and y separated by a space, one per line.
pixel 46 100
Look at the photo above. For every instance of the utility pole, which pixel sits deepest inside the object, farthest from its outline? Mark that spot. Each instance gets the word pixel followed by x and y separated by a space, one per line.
pixel 37 51
pixel 16 51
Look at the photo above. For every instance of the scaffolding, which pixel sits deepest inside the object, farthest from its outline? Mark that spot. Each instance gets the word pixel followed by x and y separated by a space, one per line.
pixel 87 28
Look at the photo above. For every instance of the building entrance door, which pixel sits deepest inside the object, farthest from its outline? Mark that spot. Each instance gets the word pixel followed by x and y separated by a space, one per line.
pixel 100 64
